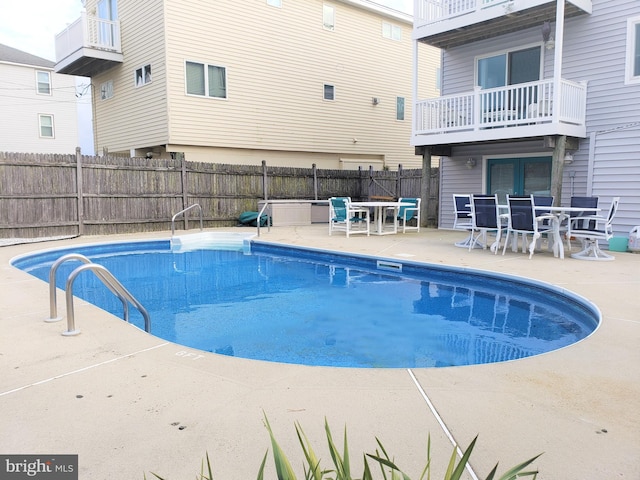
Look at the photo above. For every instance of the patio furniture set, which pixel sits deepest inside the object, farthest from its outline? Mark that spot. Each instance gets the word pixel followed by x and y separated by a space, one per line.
pixel 373 217
pixel 535 216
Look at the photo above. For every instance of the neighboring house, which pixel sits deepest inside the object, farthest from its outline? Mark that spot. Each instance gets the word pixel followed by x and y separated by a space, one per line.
pixel 293 83
pixel 38 105
pixel 538 96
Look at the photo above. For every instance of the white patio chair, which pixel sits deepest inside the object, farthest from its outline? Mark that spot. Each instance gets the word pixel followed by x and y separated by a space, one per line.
pixel 592 230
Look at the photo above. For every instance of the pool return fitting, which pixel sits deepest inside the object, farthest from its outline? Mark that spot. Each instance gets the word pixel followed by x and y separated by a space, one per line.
pixel 105 276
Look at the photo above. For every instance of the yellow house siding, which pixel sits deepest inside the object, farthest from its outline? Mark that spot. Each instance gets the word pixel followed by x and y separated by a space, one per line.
pixel 135 116
pixel 277 60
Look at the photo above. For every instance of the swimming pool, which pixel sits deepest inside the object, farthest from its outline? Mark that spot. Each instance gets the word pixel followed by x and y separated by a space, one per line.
pixel 316 307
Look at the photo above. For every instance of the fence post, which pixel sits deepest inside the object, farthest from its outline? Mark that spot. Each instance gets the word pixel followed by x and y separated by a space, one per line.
pixel 315 181
pixel 79 188
pixel 185 193
pixel 264 180
pixel 399 182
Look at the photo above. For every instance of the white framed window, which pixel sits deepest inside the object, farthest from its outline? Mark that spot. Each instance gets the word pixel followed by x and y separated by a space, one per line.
pixel 45 125
pixel 399 108
pixel 392 31
pixel 143 75
pixel 509 67
pixel 205 80
pixel 106 90
pixel 632 65
pixel 328 17
pixel 43 82
pixel 329 92
pixel 275 3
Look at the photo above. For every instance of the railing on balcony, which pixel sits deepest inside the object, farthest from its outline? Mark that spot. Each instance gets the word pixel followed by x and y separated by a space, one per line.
pixel 430 11
pixel 91 32
pixel 514 105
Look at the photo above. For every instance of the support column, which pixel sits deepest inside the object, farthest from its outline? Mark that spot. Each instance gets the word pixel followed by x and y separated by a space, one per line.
pixel 425 186
pixel 557 168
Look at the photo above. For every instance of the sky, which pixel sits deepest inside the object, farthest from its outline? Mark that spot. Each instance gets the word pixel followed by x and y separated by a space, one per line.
pixel 31 26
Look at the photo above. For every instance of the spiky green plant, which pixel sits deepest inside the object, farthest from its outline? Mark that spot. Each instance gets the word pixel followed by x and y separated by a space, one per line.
pixel 342 466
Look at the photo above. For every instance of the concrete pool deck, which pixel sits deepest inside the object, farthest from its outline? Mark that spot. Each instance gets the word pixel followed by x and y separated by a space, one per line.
pixel 129 403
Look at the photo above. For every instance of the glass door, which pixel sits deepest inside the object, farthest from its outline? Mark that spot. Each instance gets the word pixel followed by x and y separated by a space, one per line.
pixel 108 11
pixel 518 176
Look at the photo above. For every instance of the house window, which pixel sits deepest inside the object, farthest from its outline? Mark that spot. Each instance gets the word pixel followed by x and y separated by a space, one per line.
pixel 206 80
pixel 143 75
pixel 275 3
pixel 106 90
pixel 43 82
pixel 329 92
pixel 509 68
pixel 399 108
pixel 46 125
pixel 632 68
pixel 389 30
pixel 328 17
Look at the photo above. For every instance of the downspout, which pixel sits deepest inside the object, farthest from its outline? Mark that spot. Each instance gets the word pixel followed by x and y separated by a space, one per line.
pixel 592 161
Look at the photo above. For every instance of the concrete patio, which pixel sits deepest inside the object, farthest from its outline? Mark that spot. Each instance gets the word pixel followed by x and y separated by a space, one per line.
pixel 129 403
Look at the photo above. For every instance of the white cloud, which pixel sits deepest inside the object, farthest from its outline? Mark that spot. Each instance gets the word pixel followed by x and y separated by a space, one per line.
pixel 31 25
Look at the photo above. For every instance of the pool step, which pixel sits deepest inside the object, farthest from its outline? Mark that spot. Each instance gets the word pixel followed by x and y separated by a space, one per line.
pixel 212 240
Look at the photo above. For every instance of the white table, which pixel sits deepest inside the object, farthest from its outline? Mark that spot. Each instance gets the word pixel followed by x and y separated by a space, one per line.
pixel 379 213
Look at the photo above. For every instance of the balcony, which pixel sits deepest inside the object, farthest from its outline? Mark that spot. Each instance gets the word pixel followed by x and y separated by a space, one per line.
pixel 515 111
pixel 451 23
pixel 88 46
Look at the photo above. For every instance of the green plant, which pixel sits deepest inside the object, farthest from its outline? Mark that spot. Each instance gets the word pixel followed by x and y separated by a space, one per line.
pixel 341 468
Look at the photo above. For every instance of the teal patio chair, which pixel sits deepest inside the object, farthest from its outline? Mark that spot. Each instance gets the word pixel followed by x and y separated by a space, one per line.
pixel 408 213
pixel 344 217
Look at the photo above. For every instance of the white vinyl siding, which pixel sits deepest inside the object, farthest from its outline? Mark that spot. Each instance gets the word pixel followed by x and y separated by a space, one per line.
pixel 43 80
pixel 45 122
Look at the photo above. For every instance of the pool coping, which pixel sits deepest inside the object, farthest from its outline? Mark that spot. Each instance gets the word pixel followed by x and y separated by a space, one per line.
pixel 118 397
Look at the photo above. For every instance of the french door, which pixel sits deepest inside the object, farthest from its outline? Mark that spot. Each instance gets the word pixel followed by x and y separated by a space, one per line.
pixel 518 176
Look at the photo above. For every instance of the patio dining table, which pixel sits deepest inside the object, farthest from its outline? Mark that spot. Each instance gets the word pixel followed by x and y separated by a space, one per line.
pixel 379 213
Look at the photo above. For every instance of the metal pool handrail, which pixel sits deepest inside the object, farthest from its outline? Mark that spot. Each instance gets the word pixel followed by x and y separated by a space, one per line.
pixel 107 279
pixel 112 283
pixel 185 210
pixel 259 219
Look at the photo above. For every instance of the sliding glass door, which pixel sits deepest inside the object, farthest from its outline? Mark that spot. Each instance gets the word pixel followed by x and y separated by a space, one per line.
pixel 518 176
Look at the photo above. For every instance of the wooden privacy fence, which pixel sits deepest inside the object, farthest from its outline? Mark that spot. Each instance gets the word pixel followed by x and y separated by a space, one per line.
pixel 47 195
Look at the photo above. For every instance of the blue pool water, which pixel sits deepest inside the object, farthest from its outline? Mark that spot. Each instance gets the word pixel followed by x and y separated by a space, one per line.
pixel 315 307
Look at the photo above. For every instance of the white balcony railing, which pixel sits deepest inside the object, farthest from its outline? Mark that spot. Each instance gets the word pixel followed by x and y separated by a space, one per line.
pixel 431 11
pixel 90 32
pixel 514 105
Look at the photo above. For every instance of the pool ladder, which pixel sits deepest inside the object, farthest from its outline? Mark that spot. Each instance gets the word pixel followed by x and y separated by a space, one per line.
pixel 105 276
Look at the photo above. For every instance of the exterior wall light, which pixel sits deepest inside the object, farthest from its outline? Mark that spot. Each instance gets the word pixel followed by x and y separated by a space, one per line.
pixel 471 163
